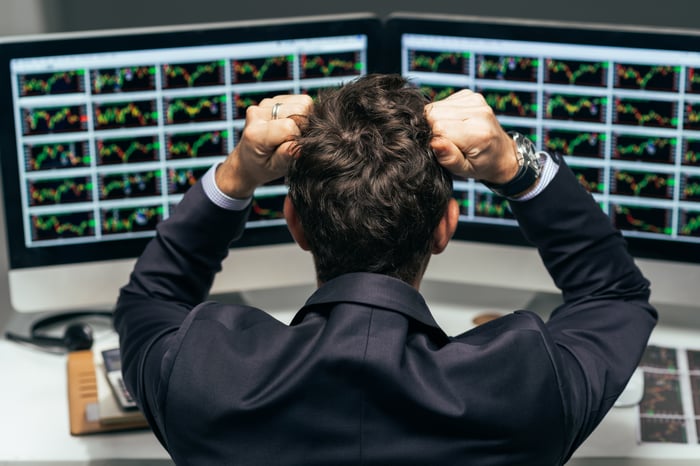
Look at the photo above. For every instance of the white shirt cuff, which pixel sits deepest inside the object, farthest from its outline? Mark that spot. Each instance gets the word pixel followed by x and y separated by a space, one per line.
pixel 219 198
pixel 549 170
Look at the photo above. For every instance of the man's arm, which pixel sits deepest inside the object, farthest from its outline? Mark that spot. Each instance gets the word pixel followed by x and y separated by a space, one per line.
pixel 195 239
pixel 177 268
pixel 598 335
pixel 602 328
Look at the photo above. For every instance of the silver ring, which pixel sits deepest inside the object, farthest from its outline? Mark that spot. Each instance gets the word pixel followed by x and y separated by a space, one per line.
pixel 275 110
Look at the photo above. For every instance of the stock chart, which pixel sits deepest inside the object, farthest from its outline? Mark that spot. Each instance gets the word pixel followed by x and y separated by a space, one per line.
pixel 627 121
pixel 670 408
pixel 110 142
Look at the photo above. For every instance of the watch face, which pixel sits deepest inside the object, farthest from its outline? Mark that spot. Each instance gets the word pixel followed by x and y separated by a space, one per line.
pixel 528 151
pixel 527 174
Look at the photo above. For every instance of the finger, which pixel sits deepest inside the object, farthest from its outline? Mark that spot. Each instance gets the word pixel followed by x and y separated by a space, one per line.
pixel 451 157
pixel 463 135
pixel 284 106
pixel 470 107
pixel 267 135
pixel 283 156
pixel 467 127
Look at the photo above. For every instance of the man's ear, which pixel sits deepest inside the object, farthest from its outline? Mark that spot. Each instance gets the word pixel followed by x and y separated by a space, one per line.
pixel 294 225
pixel 446 228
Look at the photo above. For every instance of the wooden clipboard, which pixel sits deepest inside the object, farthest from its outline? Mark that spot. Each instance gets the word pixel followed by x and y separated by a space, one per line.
pixel 83 400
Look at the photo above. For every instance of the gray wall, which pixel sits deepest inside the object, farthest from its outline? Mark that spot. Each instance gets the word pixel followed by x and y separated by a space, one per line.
pixel 91 14
pixel 22 17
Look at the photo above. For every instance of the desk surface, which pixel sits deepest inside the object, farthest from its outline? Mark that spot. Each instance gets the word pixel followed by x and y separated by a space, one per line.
pixel 35 408
pixel 35 415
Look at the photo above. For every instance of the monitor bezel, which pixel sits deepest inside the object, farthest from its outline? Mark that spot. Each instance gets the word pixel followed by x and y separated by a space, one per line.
pixel 19 255
pixel 645 37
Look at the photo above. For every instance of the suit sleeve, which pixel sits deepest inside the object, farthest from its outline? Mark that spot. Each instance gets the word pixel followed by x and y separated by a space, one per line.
pixel 600 332
pixel 174 274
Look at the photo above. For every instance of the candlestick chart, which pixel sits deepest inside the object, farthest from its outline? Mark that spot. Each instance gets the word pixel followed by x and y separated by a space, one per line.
pixel 506 68
pixel 591 178
pixel 689 223
pixel 180 110
pixel 58 226
pixel 197 145
pixel 653 149
pixel 60 82
pixel 201 74
pixel 671 394
pixel 691 152
pixel 647 77
pixel 49 120
pixel 266 208
pixel 584 108
pixel 436 92
pixel 135 149
pixel 123 79
pixel 60 191
pixel 642 184
pixel 129 184
pixel 181 179
pixel 575 72
pixel 127 220
pixel 692 85
pixel 490 205
pixel 577 143
pixel 439 62
pixel 511 103
pixel 651 113
pixel 645 219
pixel 265 69
pixel 691 116
pixel 56 156
pixel 113 115
pixel 325 65
pixel 690 188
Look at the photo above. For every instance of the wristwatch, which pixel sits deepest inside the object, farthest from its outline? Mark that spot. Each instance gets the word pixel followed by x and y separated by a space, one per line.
pixel 528 173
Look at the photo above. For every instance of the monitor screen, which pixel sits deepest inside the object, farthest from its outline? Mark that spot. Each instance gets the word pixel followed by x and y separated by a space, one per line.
pixel 104 132
pixel 621 106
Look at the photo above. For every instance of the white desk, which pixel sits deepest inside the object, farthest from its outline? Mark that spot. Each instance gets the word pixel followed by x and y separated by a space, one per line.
pixel 35 428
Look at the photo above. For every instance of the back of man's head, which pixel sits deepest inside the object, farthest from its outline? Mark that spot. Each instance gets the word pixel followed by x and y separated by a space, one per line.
pixel 366 186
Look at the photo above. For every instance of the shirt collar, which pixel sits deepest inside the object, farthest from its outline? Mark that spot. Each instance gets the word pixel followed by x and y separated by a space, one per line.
pixel 374 290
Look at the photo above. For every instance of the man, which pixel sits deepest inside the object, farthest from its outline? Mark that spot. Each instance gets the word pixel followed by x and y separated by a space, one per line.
pixel 363 375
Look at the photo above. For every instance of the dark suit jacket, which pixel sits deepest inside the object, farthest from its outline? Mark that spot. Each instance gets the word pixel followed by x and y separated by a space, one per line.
pixel 364 375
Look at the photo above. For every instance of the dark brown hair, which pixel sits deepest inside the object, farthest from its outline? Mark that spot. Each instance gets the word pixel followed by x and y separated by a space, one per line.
pixel 368 189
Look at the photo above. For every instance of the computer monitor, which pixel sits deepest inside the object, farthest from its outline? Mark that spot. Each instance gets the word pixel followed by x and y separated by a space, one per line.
pixel 622 104
pixel 103 132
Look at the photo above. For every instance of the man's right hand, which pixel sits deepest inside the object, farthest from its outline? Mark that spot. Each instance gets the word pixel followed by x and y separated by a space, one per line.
pixel 469 141
pixel 266 147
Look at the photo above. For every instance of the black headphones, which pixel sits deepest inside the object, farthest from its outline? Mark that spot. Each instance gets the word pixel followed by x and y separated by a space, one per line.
pixel 76 336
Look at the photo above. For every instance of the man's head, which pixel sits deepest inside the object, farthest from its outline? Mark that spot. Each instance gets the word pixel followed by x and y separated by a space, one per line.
pixel 366 187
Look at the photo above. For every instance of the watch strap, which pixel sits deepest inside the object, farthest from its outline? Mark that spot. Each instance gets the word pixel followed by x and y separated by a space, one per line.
pixel 527 174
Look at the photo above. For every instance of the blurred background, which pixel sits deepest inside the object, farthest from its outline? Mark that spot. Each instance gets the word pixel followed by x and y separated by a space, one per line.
pixel 38 16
